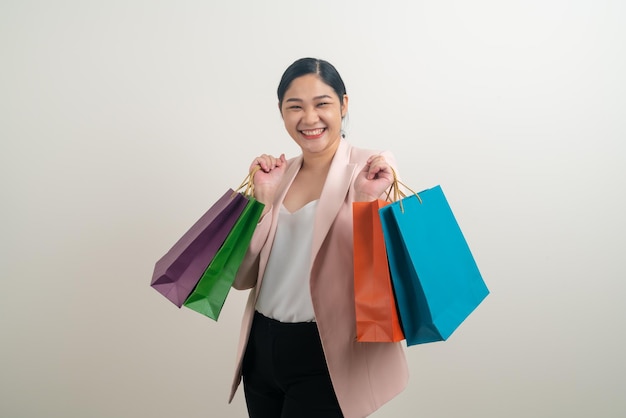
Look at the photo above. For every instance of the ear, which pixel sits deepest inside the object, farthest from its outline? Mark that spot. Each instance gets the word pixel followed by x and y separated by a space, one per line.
pixel 344 106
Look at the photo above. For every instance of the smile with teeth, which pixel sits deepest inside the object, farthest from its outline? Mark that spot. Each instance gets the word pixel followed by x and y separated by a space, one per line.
pixel 313 132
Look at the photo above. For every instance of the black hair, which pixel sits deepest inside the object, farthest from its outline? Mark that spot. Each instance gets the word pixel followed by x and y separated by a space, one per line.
pixel 325 70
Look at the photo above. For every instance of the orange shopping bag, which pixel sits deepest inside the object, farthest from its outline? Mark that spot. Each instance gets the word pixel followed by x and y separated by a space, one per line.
pixel 376 313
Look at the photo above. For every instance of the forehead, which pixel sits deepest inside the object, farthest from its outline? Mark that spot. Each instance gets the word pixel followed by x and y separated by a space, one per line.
pixel 307 87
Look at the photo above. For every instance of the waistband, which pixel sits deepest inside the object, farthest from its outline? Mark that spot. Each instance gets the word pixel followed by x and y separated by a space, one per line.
pixel 274 324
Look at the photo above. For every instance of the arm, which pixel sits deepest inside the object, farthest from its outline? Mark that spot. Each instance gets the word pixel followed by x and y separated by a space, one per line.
pixel 266 182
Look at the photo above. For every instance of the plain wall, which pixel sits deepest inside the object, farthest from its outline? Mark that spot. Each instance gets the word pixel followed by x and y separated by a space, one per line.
pixel 121 122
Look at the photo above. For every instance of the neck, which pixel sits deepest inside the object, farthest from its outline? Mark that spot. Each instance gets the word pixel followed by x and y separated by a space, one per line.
pixel 318 162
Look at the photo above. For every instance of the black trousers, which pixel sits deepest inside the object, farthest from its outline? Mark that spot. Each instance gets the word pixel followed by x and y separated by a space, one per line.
pixel 285 373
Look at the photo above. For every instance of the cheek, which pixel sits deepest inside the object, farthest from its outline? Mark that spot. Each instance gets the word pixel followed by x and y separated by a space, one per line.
pixel 333 117
pixel 291 125
pixel 288 121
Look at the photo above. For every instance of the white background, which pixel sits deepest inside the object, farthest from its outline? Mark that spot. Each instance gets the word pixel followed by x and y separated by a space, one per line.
pixel 122 121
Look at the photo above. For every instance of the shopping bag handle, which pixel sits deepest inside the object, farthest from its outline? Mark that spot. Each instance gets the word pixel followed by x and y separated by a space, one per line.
pixel 398 194
pixel 248 183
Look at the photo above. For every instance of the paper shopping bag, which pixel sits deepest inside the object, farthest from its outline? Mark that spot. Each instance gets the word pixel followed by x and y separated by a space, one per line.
pixel 210 294
pixel 376 311
pixel 179 270
pixel 435 277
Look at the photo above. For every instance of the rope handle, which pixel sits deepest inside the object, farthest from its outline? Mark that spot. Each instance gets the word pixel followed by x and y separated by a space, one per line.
pixel 248 183
pixel 398 194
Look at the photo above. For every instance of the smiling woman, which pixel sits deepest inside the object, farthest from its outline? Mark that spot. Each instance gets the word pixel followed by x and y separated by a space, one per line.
pixel 313 113
pixel 298 353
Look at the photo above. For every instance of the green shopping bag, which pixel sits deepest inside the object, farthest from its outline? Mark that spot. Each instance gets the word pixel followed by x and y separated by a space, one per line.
pixel 210 293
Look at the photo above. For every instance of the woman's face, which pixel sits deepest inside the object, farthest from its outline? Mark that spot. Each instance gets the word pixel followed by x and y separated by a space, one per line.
pixel 312 114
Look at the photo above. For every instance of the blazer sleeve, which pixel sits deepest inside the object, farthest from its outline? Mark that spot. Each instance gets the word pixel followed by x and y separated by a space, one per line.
pixel 248 271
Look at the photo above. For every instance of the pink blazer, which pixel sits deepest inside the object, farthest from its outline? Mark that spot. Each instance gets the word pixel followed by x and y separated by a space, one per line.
pixel 364 375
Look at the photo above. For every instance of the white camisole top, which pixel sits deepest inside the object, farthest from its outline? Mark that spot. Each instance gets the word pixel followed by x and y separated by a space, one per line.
pixel 285 293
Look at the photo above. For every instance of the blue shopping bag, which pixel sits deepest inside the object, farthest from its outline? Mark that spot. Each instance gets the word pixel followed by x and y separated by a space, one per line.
pixel 436 281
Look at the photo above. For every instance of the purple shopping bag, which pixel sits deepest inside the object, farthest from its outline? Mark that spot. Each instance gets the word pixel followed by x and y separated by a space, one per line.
pixel 177 273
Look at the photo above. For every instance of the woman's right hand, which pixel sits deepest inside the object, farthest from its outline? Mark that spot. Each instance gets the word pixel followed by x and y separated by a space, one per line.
pixel 267 179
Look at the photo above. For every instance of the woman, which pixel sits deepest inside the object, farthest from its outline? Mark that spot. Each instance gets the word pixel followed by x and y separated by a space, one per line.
pixel 298 353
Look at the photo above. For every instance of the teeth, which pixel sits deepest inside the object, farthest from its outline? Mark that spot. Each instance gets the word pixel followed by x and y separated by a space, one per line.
pixel 313 132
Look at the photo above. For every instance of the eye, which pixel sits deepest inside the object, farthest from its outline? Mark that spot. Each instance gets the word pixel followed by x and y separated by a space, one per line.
pixel 322 104
pixel 294 107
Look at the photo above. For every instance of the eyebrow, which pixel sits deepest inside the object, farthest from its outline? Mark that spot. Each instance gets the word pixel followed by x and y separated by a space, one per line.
pixel 295 99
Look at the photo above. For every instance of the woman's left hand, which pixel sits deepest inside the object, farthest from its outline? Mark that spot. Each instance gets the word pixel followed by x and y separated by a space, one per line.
pixel 373 180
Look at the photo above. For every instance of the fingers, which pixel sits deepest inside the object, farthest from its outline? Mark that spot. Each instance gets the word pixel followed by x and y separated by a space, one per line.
pixel 268 162
pixel 376 166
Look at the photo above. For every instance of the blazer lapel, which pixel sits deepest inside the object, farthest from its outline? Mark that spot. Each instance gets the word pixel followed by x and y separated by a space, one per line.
pixel 333 194
pixel 288 178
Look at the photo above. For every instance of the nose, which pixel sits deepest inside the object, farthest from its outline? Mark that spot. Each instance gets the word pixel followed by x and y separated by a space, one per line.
pixel 310 116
